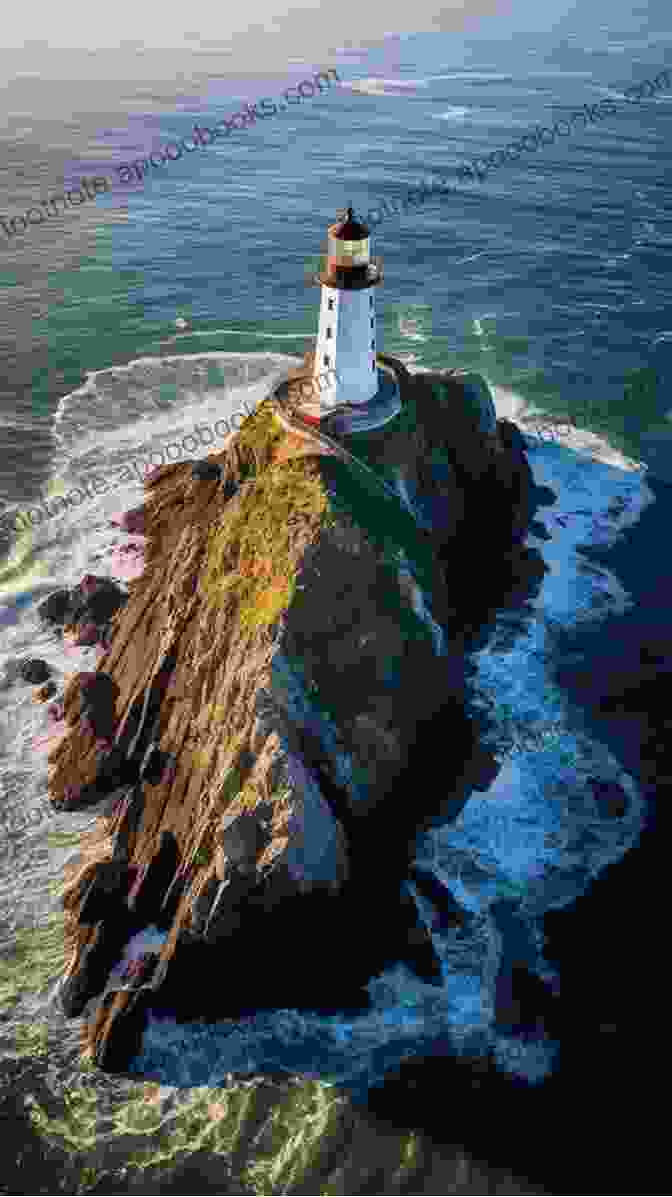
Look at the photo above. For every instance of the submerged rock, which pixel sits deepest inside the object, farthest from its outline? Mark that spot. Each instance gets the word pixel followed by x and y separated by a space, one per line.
pixel 55 608
pixel 84 612
pixel 206 471
pixel 281 662
pixel 34 670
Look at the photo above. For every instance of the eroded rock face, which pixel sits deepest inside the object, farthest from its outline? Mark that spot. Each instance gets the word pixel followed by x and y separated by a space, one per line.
pixel 269 674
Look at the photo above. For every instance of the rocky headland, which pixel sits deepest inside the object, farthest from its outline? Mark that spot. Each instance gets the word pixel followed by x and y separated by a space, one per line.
pixel 280 704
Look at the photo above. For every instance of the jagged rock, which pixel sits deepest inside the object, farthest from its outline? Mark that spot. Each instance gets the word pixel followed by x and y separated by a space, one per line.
pixel 115 1028
pixel 102 947
pixel 242 838
pixel 34 670
pixel 257 692
pixel 154 877
pixel 202 907
pixel 139 972
pixel 105 892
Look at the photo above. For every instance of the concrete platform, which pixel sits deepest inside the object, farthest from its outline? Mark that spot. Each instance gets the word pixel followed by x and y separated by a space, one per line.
pixel 352 417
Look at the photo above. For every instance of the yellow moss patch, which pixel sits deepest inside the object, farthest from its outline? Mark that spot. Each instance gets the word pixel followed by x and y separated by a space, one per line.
pixel 248 798
pixel 37 960
pixel 252 555
pixel 260 434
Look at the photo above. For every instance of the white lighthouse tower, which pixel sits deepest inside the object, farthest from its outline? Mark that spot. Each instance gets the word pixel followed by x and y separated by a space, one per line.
pixel 350 387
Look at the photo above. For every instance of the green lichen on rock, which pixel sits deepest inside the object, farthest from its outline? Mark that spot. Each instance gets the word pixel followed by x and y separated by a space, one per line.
pixel 36 960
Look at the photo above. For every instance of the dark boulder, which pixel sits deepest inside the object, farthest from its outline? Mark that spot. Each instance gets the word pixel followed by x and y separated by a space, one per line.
pixel 98 695
pixel 95 600
pixel 206 471
pixel 55 609
pixel 34 670
pixel 241 837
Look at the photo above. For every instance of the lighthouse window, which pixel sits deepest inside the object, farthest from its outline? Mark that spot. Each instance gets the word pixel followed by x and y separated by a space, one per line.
pixel 370 301
pixel 326 359
pixel 329 331
pixel 373 364
pixel 330 304
pixel 373 321
pixel 373 344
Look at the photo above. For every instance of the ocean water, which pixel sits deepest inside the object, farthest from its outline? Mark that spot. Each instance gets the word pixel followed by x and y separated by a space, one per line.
pixel 553 279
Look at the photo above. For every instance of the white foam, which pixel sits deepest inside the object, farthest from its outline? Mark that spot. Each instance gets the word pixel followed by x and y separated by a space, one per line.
pixel 150 939
pixel 451 114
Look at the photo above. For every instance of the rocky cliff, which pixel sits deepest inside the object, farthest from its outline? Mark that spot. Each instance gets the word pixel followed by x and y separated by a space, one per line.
pixel 269 692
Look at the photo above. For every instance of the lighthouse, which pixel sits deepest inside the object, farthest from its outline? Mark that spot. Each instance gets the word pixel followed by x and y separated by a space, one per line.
pixel 351 389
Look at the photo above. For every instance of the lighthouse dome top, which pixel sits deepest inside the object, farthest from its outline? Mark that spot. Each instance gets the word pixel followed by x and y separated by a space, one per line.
pixel 348 229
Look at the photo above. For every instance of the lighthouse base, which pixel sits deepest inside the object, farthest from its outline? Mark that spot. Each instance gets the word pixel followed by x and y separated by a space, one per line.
pixel 346 418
